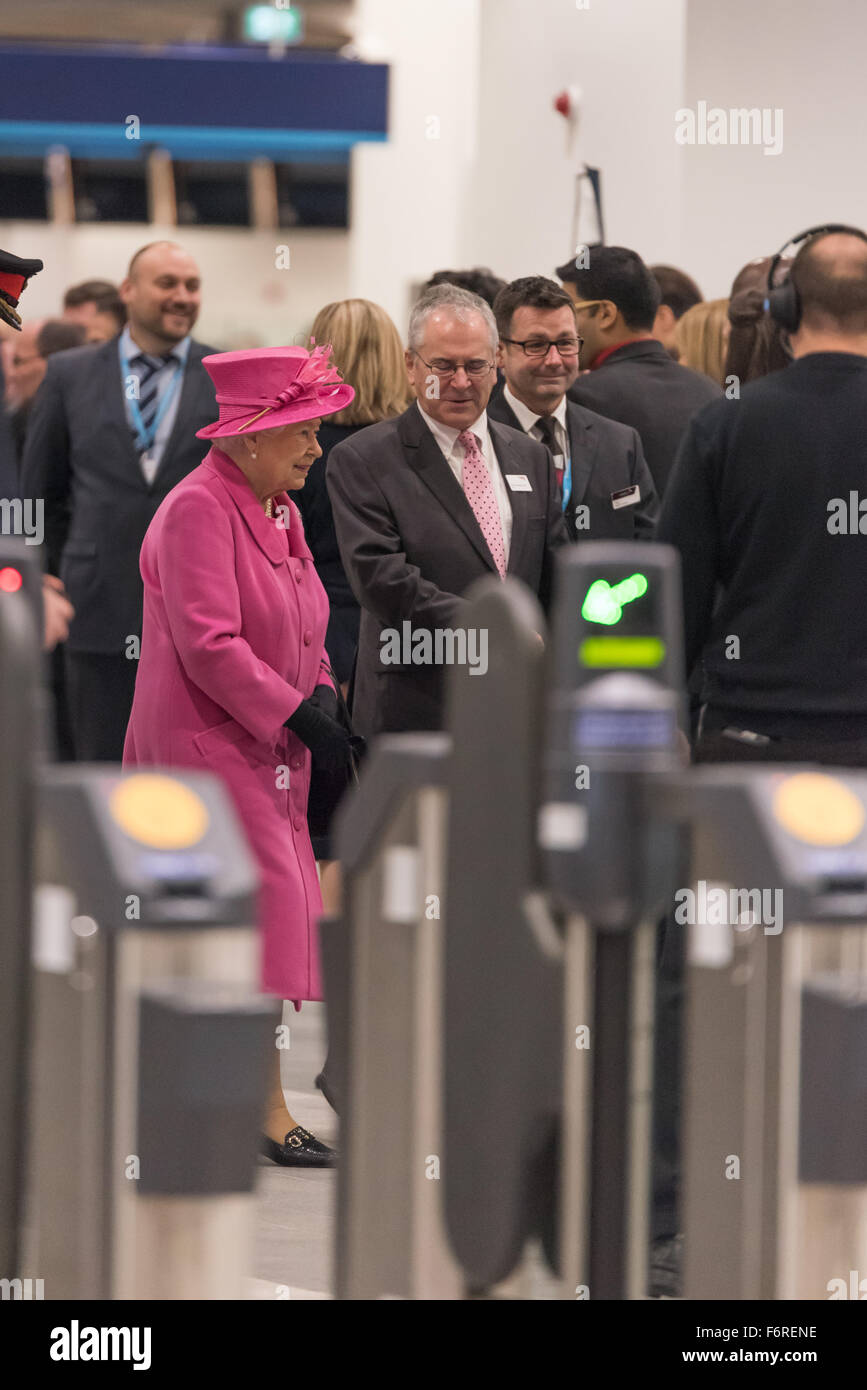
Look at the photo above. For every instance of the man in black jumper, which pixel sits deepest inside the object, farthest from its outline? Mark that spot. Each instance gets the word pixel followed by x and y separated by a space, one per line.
pixel 764 503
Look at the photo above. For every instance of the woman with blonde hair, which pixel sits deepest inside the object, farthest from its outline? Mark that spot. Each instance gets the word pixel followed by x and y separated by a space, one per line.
pixel 702 338
pixel 368 353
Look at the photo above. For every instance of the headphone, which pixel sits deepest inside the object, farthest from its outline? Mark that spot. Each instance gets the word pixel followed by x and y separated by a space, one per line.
pixel 783 302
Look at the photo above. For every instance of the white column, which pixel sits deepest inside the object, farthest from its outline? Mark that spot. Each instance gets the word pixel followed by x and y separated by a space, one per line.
pixel 627 57
pixel 408 196
pixel 805 61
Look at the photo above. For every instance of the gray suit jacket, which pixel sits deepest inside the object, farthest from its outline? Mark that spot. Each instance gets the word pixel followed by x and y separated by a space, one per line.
pixel 81 460
pixel 607 457
pixel 411 547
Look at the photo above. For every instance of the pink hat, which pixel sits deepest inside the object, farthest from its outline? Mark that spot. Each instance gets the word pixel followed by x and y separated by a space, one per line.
pixel 263 388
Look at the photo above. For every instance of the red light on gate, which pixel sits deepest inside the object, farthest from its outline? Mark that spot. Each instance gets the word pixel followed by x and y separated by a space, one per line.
pixel 10 580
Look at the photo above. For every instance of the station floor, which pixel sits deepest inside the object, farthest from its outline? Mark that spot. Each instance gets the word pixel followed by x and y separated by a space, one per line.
pixel 293 1254
pixel 293 1247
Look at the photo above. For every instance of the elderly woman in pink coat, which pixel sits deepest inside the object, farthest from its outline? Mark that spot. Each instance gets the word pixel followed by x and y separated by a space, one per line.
pixel 233 676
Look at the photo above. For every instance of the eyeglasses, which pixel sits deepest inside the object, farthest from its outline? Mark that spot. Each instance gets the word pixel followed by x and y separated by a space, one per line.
pixel 477 367
pixel 540 347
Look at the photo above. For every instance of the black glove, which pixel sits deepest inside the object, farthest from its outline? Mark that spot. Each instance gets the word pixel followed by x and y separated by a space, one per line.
pixel 327 740
pixel 325 698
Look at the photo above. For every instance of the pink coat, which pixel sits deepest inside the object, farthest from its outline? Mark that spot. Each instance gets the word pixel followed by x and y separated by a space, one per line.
pixel 234 623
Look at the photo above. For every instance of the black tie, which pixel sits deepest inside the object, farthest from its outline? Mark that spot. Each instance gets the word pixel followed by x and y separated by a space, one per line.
pixel 546 424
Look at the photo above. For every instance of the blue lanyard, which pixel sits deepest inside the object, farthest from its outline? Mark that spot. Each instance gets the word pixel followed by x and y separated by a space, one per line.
pixel 145 437
pixel 567 481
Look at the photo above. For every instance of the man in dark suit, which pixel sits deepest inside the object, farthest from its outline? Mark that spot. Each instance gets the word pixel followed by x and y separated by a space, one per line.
pixel 631 378
pixel 426 504
pixel 113 429
pixel 604 484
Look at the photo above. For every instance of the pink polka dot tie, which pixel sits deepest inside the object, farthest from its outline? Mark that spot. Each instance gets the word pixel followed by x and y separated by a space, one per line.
pixel 480 494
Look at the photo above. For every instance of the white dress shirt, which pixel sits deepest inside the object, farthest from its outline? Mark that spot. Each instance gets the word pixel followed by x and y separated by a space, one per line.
pixel 529 422
pixel 150 461
pixel 453 453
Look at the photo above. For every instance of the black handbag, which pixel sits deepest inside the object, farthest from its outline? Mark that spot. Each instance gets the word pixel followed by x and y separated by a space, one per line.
pixel 328 787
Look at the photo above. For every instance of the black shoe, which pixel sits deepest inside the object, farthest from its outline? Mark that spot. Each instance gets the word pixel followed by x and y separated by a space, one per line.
pixel 666 1267
pixel 300 1149
pixel 326 1090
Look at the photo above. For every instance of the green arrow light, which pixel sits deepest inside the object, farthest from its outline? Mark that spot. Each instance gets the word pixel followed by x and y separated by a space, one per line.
pixel 605 602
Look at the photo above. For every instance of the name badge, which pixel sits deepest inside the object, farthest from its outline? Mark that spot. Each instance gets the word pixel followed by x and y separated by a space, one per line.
pixel 559 462
pixel 519 482
pixel 626 497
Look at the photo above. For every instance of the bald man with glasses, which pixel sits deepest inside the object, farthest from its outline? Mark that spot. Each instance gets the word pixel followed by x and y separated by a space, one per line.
pixel 428 503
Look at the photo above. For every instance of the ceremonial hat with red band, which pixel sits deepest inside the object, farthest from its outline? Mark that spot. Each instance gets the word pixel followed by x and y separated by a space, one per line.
pixel 264 388
pixel 14 274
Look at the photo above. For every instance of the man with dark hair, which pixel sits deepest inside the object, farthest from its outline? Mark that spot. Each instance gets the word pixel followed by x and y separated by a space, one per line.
pixel 113 429
pixel 98 306
pixel 631 377
pixel 480 281
pixel 604 484
pixel 677 294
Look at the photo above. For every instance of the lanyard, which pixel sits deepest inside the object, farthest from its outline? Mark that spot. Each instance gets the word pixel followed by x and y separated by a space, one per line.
pixel 145 437
pixel 567 475
pixel 567 481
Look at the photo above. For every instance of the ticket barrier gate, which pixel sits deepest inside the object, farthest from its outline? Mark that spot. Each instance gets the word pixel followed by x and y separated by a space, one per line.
pixel 553 1127
pixel 382 968
pixel 135 1104
pixel 775 1122
pixel 548 973
pixel 150 1039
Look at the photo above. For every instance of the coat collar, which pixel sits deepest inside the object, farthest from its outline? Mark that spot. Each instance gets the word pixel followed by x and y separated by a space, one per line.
pixel 635 347
pixel 278 542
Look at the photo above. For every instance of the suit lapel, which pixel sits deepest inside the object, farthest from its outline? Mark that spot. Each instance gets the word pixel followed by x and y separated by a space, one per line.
pixel 520 502
pixel 115 401
pixel 186 412
pixel 584 446
pixel 425 456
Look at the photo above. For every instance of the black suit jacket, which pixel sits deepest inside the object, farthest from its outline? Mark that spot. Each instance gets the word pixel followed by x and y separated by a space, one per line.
pixel 81 459
pixel 642 386
pixel 606 458
pixel 411 547
pixel 341 639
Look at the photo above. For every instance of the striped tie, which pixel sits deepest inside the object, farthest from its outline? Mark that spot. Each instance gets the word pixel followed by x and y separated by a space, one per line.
pixel 151 373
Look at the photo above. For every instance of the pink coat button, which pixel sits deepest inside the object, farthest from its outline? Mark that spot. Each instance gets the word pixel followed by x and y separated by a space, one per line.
pixel 308 638
pixel 298 822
